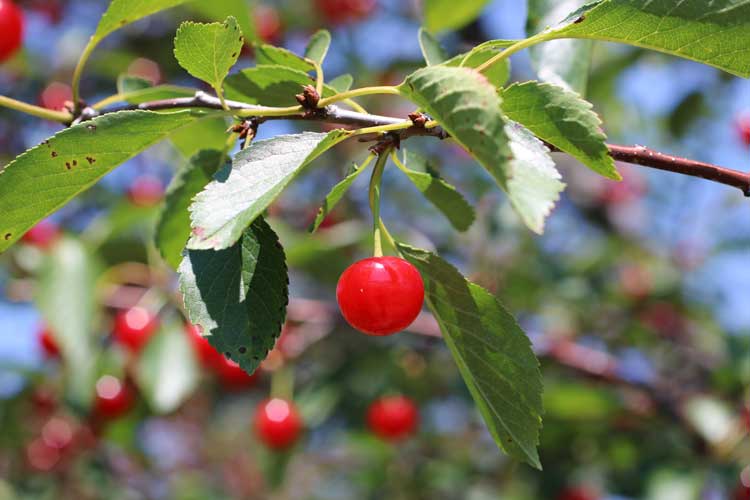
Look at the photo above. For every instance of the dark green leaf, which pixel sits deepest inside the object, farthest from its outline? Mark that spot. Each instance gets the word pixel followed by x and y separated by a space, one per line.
pixel 563 119
pixel 173 228
pixel 238 296
pixel 493 354
pixel 210 133
pixel 46 177
pixel 270 85
pixel 221 212
pixel 318 46
pixel 432 51
pixel 441 194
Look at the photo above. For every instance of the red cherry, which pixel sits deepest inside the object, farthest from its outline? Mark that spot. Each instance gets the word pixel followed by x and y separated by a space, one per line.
pixel 393 418
pixel 11 29
pixel 41 456
pixel 113 397
pixel 134 327
pixel 342 11
pixel 278 424
pixel 742 492
pixel 380 295
pixel 43 235
pixel 146 191
pixel 743 128
pixel 48 343
pixel 268 23
pixel 233 377
pixel 577 493
pixel 208 356
pixel 58 433
pixel 55 95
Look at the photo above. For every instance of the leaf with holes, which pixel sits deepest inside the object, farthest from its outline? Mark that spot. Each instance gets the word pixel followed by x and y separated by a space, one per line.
pixel 208 51
pixel 432 51
pixel 563 119
pixel 565 63
pixel 238 296
pixel 317 47
pixel 493 354
pixel 46 177
pixel 715 33
pixel 237 196
pixel 440 193
pixel 270 85
pixel 173 228
pixel 337 192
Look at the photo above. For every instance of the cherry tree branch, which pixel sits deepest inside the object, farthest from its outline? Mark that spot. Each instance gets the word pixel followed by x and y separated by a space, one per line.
pixel 636 155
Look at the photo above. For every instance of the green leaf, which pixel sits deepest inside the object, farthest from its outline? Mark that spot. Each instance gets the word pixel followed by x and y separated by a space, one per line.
pixel 317 47
pixel 146 94
pixel 237 196
pixel 564 120
pixel 715 33
pixel 218 10
pixel 208 51
pixel 120 13
pixel 564 63
pixel 432 51
pixel 66 297
pixel 269 55
pixel 342 83
pixel 238 296
pixel 493 354
pixel 167 371
pixel 334 196
pixel 535 185
pixel 128 83
pixel 46 177
pixel 440 193
pixel 498 73
pixel 173 228
pixel 210 133
pixel 270 85
pixel 441 15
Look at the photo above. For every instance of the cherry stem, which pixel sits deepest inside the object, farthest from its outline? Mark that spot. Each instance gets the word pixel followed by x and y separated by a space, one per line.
pixel 282 383
pixel 375 180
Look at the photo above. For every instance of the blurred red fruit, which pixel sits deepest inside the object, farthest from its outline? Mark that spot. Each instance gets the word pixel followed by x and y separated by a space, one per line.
pixel 393 418
pixel 58 433
pixel 743 129
pixel 268 23
pixel 343 11
pixel 232 376
pixel 631 188
pixel 133 328
pixel 146 191
pixel 11 29
pixel 278 424
pixel 742 492
pixel 207 355
pixel 55 95
pixel 41 456
pixel 48 344
pixel 52 9
pixel 43 235
pixel 146 69
pixel 577 493
pixel 113 397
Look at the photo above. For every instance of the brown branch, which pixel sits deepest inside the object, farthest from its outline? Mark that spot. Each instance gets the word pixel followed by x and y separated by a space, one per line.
pixel 636 155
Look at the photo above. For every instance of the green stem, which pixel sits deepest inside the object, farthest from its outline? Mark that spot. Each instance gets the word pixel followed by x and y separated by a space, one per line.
pixel 79 69
pixel 269 111
pixel 377 176
pixel 385 233
pixel 387 89
pixel 220 94
pixel 282 383
pixel 383 128
pixel 516 47
pixel 47 114
pixel 319 78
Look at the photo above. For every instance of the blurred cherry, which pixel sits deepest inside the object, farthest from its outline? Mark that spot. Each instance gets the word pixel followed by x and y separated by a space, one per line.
pixel 278 424
pixel 48 343
pixel 344 11
pixel 52 9
pixel 41 456
pixel 577 493
pixel 742 492
pixel 58 433
pixel 114 398
pixel 268 23
pixel 393 418
pixel 11 29
pixel 635 281
pixel 43 235
pixel 631 188
pixel 207 355
pixel 743 129
pixel 56 95
pixel 146 69
pixel 664 318
pixel 146 191
pixel 133 328
pixel 233 377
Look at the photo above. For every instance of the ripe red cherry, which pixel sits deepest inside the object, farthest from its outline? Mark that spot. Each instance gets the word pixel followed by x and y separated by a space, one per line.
pixel 278 424
pixel 380 295
pixel 743 128
pixel 233 377
pixel 268 23
pixel 208 356
pixel 146 191
pixel 393 418
pixel 43 235
pixel 342 11
pixel 48 343
pixel 113 397
pixel 134 327
pixel 11 29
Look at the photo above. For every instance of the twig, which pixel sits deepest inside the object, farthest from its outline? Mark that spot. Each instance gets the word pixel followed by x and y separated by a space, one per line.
pixel 636 155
